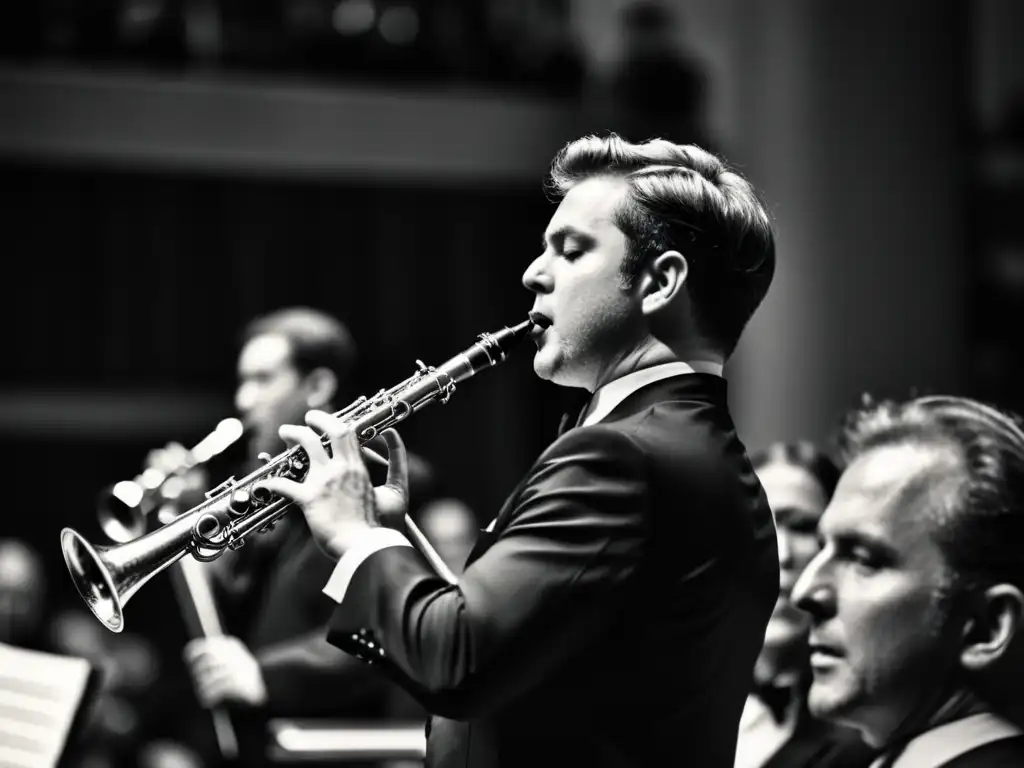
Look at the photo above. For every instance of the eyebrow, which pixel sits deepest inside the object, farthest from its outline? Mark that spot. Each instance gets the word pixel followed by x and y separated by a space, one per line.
pixel 558 236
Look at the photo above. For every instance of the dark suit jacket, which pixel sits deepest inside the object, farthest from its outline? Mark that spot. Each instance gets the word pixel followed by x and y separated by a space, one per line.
pixel 614 614
pixel 1005 753
pixel 281 615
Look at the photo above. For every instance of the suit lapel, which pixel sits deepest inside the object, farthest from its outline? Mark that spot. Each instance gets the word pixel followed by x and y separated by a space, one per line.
pixel 692 386
pixel 483 542
pixel 486 537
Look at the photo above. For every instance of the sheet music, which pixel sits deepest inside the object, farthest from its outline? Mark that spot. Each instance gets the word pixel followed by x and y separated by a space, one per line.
pixel 40 694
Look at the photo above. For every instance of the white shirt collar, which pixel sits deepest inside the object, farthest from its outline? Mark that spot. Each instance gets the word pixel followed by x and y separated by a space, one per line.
pixel 940 745
pixel 614 392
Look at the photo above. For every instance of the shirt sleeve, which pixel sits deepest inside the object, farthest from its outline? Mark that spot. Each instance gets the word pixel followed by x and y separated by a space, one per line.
pixel 374 541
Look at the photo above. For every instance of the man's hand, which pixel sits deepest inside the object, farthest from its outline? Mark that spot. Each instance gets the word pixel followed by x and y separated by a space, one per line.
pixel 223 669
pixel 336 496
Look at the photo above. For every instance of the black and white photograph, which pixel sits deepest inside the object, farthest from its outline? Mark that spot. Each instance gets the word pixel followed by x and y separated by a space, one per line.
pixel 512 384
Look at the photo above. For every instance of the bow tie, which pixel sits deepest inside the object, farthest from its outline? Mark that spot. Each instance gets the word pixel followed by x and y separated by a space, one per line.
pixel 777 698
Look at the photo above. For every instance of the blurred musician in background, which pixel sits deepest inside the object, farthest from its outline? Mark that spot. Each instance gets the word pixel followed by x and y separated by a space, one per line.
pixel 916 601
pixel 23 594
pixel 274 659
pixel 450 525
pixel 612 612
pixel 777 730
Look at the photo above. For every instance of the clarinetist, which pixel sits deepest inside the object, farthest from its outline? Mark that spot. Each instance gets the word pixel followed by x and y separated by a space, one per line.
pixel 612 612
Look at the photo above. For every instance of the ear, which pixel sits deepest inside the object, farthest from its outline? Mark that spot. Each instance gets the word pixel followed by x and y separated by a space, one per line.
pixel 989 634
pixel 321 387
pixel 662 280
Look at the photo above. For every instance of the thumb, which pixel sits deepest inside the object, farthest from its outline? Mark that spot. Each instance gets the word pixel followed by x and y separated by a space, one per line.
pixel 398 464
pixel 392 498
pixel 282 486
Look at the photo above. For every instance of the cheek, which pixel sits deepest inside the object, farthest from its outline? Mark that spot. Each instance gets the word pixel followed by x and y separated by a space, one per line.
pixel 276 408
pixel 292 409
pixel 595 313
pixel 891 637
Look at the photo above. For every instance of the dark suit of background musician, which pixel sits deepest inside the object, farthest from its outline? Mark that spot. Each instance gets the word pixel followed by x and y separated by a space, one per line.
pixel 274 660
pixel 280 617
pixel 613 613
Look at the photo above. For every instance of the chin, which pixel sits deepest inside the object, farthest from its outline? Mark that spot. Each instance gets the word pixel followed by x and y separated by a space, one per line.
pixel 546 365
pixel 833 699
pixel 839 709
pixel 821 701
pixel 543 371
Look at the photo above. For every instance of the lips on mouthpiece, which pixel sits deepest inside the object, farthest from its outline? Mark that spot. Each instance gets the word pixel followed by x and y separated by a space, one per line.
pixel 540 320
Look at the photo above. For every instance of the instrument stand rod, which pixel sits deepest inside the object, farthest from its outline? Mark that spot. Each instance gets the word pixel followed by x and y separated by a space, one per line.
pixel 193 588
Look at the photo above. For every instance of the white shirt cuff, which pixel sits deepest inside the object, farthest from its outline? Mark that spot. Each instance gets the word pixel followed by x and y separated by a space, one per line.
pixel 375 539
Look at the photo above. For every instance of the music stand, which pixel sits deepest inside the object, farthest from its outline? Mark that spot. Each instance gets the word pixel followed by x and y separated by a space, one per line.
pixel 43 697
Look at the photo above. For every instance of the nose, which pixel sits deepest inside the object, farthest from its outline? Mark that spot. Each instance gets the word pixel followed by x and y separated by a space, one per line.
pixel 812 593
pixel 536 278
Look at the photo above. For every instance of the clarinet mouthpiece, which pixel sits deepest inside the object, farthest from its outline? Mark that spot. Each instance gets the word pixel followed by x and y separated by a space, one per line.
pixel 510 336
pixel 540 320
pixel 507 337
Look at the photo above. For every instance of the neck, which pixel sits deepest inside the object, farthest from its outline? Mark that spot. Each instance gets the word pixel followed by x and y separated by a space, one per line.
pixel 958 705
pixel 652 352
pixel 961 704
pixel 1004 700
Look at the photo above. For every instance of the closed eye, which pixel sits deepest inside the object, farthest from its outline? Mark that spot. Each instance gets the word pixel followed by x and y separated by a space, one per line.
pixel 865 552
pixel 568 242
pixel 865 557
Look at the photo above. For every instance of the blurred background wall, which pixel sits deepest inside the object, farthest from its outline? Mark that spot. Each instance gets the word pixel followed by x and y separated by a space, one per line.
pixel 175 168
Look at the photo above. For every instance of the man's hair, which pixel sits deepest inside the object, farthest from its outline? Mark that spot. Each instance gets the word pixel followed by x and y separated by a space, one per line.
pixel 683 198
pixel 316 339
pixel 977 516
pixel 803 455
